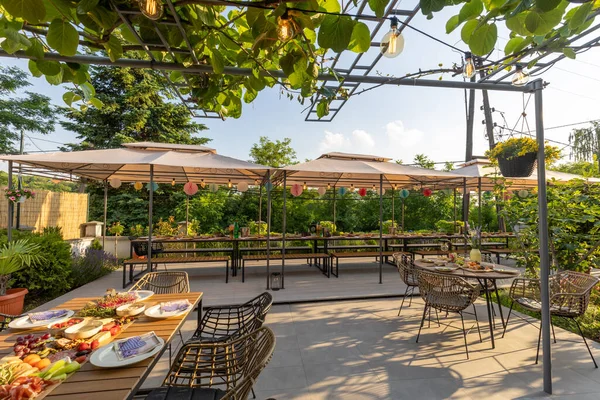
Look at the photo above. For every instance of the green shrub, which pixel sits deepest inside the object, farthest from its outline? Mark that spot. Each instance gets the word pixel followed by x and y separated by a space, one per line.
pixel 138 230
pixel 257 228
pixel 92 265
pixel 96 245
pixel 388 224
pixel 329 225
pixel 447 226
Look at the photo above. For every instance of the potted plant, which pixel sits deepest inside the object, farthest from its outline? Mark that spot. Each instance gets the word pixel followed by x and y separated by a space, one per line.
pixel 516 157
pixel 15 256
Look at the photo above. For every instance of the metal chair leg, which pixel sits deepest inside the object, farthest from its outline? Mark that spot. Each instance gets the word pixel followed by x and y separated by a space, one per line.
pixel 412 292
pixel 537 354
pixel 512 303
pixel 253 394
pixel 422 322
pixel 464 333
pixel 553 334
pixel 477 322
pixel 586 343
pixel 403 298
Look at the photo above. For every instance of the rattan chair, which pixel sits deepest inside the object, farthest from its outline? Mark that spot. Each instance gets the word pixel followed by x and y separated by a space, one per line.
pixel 408 274
pixel 569 298
pixel 447 293
pixel 169 282
pixel 6 319
pixel 220 323
pixel 218 370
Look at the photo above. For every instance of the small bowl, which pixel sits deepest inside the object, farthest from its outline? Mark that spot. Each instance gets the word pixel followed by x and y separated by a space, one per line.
pixel 130 310
pixel 84 330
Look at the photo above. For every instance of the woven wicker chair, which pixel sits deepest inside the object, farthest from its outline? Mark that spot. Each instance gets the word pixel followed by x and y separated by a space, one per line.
pixel 408 274
pixel 170 282
pixel 218 370
pixel 447 293
pixel 569 298
pixel 221 323
pixel 6 319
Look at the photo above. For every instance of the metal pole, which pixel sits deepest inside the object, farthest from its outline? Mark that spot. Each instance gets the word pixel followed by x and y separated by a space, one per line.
pixel 393 212
pixel 10 204
pixel 150 201
pixel 283 229
pixel 334 216
pixel 543 232
pixel 105 212
pixel 260 208
pixel 269 189
pixel 454 211
pixel 465 203
pixel 479 201
pixel 381 228
pixel 403 214
pixel 20 179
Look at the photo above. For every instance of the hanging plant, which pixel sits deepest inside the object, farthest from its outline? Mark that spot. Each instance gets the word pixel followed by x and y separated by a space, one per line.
pixel 516 157
pixel 18 195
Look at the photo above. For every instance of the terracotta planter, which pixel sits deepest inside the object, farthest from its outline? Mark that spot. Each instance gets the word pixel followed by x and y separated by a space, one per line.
pixel 518 167
pixel 12 302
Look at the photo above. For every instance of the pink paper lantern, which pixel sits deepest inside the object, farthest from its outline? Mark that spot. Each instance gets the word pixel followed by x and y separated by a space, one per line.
pixel 296 190
pixel 362 192
pixel 190 188
pixel 427 192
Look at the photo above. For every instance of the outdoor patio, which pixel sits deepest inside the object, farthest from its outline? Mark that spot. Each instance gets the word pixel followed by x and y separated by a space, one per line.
pixel 361 349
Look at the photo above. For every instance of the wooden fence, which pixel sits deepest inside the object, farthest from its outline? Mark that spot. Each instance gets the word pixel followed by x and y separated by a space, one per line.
pixel 49 209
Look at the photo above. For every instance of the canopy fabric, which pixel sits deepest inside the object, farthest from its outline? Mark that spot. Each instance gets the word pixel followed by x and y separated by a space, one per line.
pixel 342 169
pixel 490 176
pixel 131 163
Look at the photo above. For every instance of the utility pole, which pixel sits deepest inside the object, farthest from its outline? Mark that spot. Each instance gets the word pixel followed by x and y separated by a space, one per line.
pixel 20 179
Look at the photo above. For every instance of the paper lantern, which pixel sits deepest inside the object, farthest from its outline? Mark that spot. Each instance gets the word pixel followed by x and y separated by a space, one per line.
pixel 138 186
pixel 268 186
pixel 321 191
pixel 154 186
pixel 362 192
pixel 296 190
pixel 523 193
pixel 342 191
pixel 382 191
pixel 213 187
pixel 242 187
pixel 115 182
pixel 427 192
pixel 404 193
pixel 190 188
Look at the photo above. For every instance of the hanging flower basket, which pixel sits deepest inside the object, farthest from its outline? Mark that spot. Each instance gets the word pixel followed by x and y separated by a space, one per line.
pixel 18 195
pixel 517 167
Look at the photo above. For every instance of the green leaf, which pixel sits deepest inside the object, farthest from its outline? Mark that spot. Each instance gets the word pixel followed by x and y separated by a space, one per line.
pixel 378 7
pixel 429 6
pixel 493 4
pixel 569 52
pixel 467 30
pixel 360 41
pixel 48 67
pixel 217 62
pixel 542 23
pixel 86 5
pixel 255 83
pixel 113 48
pixel 335 32
pixel 547 5
pixel 517 24
pixel 322 109
pixel 512 44
pixel 483 39
pixel 580 16
pixel 104 17
pixel 96 102
pixel 70 97
pixel 88 90
pixel 36 49
pixel 55 79
pixel 34 69
pixel 286 63
pixel 452 23
pixel 63 37
pixel 332 6
pixel 32 11
pixel 249 96
pixel 57 9
pixel 470 10
pixel 310 35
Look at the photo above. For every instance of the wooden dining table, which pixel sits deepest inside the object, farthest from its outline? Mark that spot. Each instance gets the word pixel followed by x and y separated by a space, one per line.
pixel 486 279
pixel 95 383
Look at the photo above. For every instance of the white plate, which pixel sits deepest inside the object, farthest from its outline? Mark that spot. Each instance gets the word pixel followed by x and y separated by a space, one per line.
pixel 142 294
pixel 154 312
pixel 106 357
pixel 25 322
pixel 445 269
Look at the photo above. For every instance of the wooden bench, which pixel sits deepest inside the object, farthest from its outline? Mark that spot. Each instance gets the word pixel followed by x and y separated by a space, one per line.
pixel 294 256
pixel 359 254
pixel 507 252
pixel 349 247
pixel 132 263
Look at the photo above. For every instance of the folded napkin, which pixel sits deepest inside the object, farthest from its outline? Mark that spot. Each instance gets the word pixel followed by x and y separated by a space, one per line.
pixel 135 346
pixel 47 315
pixel 175 306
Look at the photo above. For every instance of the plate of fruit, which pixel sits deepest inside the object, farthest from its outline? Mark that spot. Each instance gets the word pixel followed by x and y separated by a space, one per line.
pixel 43 318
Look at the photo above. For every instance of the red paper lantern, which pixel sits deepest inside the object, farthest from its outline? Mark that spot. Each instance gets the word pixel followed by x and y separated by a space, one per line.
pixel 427 192
pixel 362 192
pixel 190 188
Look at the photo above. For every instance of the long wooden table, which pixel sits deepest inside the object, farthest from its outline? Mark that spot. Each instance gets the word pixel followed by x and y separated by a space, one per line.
pixel 93 383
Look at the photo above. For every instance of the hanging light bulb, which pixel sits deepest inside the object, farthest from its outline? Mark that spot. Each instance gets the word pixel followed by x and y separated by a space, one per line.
pixel 229 184
pixel 352 187
pixel 392 42
pixel 374 188
pixel 285 27
pixel 304 186
pixel 328 186
pixel 469 67
pixel 202 184
pixel 173 182
pixel 520 78
pixel 256 182
pixel 152 9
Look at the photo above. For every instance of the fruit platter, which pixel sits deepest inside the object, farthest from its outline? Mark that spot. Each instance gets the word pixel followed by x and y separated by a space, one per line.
pixel 107 305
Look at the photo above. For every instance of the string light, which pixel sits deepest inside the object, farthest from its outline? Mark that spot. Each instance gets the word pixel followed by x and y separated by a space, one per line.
pixel 520 78
pixel 285 27
pixel 469 68
pixel 328 186
pixel 392 42
pixel 374 188
pixel 229 184
pixel 304 187
pixel 202 184
pixel 352 187
pixel 173 182
pixel 152 9
pixel 256 182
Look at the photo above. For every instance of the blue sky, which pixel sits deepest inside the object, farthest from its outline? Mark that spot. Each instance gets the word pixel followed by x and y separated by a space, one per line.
pixel 392 121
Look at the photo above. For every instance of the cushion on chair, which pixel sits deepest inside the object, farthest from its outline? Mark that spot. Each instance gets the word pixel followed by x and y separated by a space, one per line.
pixel 185 393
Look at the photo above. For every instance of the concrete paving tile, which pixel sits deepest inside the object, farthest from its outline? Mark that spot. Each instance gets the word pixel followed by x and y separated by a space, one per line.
pixel 281 378
pixel 342 373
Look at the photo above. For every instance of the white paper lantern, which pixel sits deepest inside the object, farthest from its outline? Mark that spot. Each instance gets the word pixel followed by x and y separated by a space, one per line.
pixel 242 187
pixel 213 187
pixel 115 182
pixel 322 191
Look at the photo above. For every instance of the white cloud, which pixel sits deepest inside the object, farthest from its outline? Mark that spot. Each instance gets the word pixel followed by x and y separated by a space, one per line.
pixel 399 136
pixel 333 142
pixel 358 141
pixel 362 140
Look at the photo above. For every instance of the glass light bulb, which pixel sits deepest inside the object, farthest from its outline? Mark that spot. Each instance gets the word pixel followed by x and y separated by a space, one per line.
pixel 392 43
pixel 304 186
pixel 328 186
pixel 173 182
pixel 202 184
pixel 285 28
pixel 152 9
pixel 469 68
pixel 352 187
pixel 229 184
pixel 520 78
